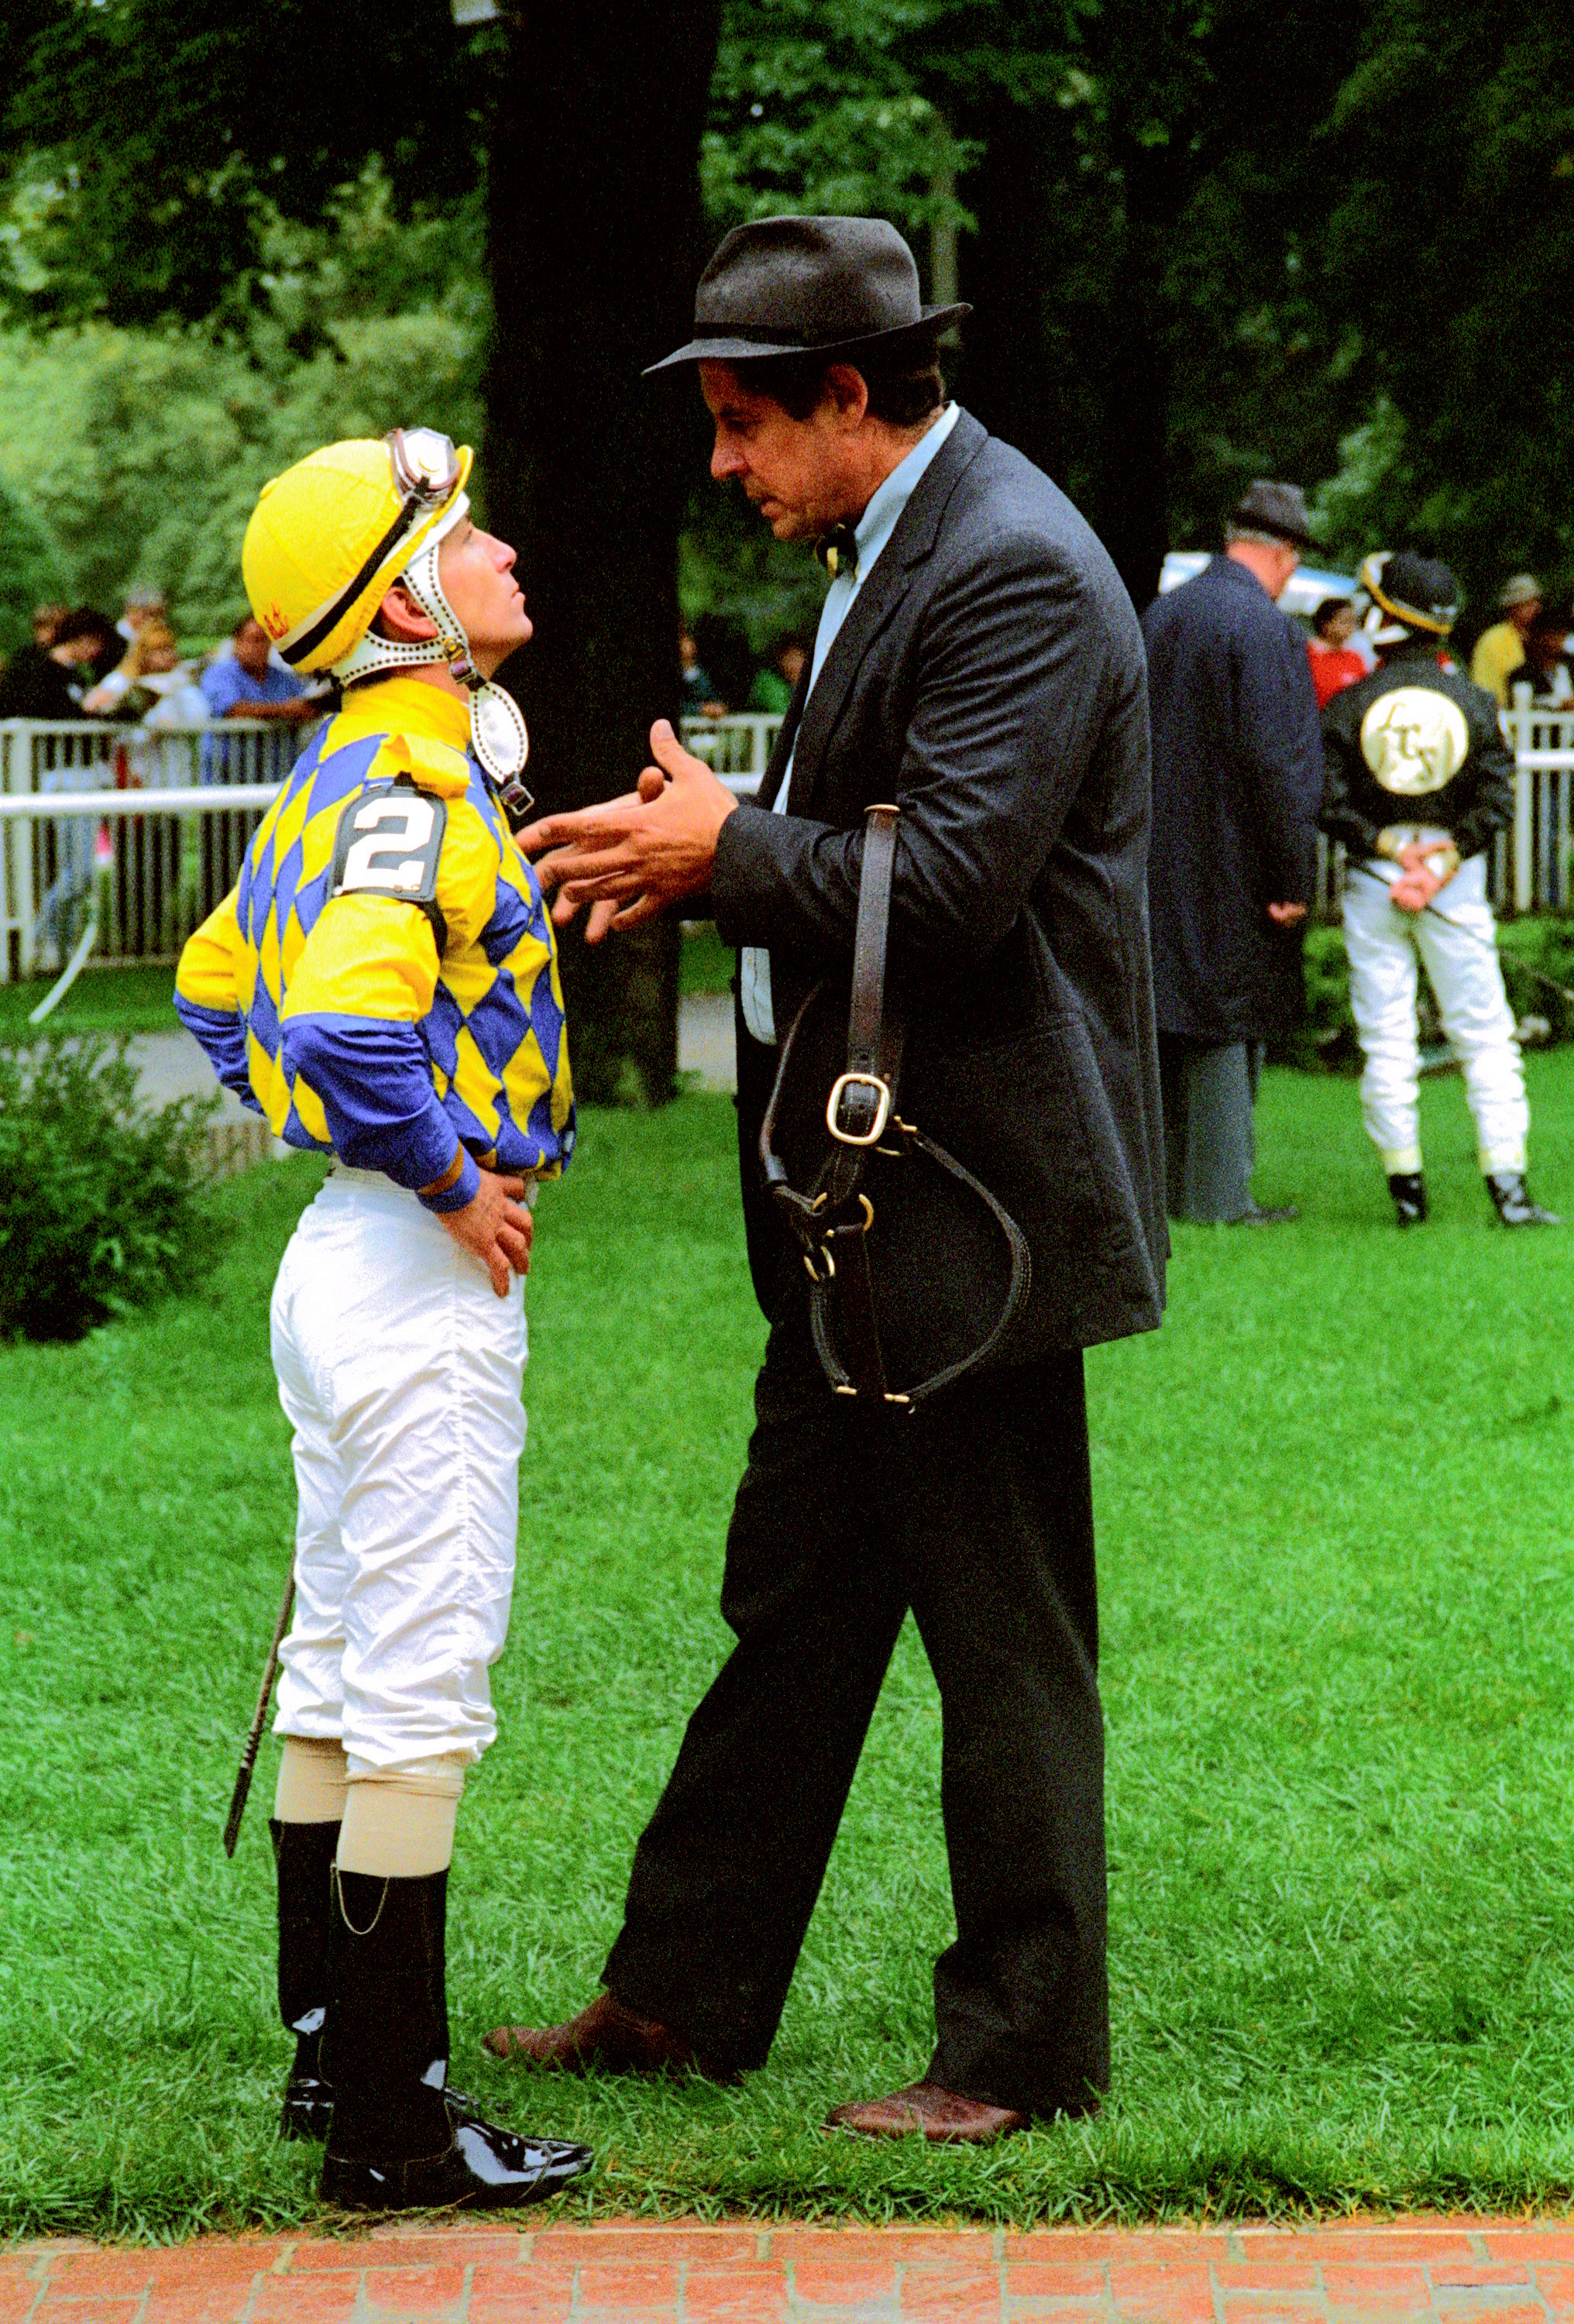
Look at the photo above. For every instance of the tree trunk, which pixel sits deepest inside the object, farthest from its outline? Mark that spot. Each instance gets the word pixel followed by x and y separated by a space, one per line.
pixel 596 242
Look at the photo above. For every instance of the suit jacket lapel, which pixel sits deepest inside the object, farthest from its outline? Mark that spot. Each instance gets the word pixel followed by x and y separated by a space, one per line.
pixel 910 542
pixel 781 749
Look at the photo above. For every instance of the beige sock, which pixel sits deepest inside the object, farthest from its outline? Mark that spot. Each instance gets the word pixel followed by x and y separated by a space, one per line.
pixel 399 1822
pixel 311 1781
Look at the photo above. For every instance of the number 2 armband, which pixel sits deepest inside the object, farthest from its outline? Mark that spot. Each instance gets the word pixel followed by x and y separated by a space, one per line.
pixel 389 843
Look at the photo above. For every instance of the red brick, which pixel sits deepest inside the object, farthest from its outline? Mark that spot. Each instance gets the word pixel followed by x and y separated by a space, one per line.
pixel 752 2291
pixel 97 2308
pixel 331 2255
pixel 414 2291
pixel 1068 2277
pixel 407 2246
pixel 1266 2275
pixel 847 2283
pixel 1172 2294
pixel 660 2244
pixel 1345 2285
pixel 1552 2244
pixel 1278 2308
pixel 604 2283
pixel 215 2259
pixel 220 2302
pixel 526 2293
pixel 946 2292
pixel 314 2298
pixel 1448 2273
pixel 890 2247
pixel 125 2270
pixel 1487 2312
pixel 16 2297
pixel 1392 2247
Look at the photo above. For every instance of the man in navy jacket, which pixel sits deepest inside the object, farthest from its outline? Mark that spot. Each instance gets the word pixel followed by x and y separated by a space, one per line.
pixel 1237 784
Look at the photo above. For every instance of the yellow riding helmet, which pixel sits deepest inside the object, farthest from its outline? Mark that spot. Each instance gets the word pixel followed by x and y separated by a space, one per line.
pixel 329 536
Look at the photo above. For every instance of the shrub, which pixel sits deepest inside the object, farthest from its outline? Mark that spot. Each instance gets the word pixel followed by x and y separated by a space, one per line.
pixel 98 1192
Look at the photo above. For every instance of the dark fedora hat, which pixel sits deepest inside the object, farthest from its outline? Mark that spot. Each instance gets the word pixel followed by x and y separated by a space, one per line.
pixel 822 286
pixel 1268 506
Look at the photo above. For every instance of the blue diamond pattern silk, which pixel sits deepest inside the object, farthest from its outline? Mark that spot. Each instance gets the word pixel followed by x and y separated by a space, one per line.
pixel 339 1019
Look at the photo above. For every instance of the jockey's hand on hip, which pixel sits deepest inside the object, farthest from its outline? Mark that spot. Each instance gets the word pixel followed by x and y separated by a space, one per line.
pixel 497 1227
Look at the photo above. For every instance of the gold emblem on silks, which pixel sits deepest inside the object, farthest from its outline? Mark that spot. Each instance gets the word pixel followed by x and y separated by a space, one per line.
pixel 1414 741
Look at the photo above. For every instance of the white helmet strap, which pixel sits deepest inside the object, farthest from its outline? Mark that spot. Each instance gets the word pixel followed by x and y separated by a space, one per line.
pixel 497 726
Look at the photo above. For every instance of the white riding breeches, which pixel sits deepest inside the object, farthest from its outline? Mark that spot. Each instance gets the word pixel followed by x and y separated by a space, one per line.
pixel 1457 942
pixel 399 1372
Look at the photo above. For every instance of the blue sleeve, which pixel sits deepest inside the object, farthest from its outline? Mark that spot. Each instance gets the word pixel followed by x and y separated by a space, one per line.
pixel 382 1113
pixel 222 686
pixel 223 1037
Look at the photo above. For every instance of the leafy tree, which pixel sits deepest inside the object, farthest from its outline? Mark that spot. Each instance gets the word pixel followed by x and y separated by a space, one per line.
pixel 31 569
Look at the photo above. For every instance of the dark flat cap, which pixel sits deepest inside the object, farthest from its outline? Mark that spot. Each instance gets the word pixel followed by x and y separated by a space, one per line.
pixel 1280 509
pixel 824 286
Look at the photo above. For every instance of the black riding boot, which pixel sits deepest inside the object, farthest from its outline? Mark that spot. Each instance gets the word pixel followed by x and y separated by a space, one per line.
pixel 396 2144
pixel 1408 1188
pixel 1511 1200
pixel 304 1856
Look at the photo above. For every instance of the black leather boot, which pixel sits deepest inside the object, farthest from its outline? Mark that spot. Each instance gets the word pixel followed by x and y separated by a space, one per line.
pixel 1408 1188
pixel 396 2143
pixel 1511 1199
pixel 303 1854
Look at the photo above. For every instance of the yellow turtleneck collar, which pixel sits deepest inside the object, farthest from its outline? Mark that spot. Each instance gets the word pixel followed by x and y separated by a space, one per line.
pixel 406 706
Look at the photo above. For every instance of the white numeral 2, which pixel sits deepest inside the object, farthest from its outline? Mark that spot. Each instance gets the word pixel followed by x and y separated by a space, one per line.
pixel 414 819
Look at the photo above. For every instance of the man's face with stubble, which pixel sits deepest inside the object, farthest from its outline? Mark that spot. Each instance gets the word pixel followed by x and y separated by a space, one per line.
pixel 793 470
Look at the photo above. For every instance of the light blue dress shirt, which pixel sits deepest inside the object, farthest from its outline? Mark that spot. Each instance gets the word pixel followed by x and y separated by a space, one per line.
pixel 874 528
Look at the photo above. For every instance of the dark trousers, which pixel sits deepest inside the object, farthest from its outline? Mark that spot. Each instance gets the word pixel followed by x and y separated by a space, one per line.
pixel 976 1513
pixel 1208 1090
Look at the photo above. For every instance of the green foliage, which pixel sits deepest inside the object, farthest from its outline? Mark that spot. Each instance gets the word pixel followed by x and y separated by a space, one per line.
pixel 30 566
pixel 149 449
pixel 99 1210
pixel 1336 1668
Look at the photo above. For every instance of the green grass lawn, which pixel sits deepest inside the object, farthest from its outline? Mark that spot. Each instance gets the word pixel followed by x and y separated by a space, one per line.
pixel 1338 1639
pixel 137 998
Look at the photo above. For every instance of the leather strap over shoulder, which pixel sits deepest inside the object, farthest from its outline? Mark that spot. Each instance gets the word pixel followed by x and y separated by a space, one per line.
pixel 832 1221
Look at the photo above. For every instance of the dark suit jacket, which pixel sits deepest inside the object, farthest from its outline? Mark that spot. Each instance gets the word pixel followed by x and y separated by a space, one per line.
pixel 989 678
pixel 1237 784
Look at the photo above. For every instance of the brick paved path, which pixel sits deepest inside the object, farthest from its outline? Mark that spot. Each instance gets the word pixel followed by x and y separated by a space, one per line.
pixel 1464 2271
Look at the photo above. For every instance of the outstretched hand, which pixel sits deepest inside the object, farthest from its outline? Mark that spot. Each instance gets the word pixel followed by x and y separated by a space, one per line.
pixel 630 858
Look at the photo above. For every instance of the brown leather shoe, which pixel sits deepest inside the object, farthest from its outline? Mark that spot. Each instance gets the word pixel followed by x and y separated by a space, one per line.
pixel 608 2036
pixel 943 2117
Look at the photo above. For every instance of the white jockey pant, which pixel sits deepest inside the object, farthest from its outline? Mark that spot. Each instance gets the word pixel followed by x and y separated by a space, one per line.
pixel 399 1372
pixel 1459 952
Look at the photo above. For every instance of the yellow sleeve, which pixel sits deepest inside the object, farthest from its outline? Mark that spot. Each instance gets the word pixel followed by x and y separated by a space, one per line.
pixel 368 957
pixel 209 973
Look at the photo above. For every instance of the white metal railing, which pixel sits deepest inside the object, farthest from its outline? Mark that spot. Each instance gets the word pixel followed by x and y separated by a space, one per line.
pixel 97 819
pixel 91 812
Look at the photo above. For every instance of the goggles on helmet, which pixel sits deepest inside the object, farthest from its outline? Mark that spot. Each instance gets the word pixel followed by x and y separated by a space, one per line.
pixel 425 463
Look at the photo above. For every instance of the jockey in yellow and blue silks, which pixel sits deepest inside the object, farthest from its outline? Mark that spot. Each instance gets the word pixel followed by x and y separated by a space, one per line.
pixel 405 1037
pixel 382 984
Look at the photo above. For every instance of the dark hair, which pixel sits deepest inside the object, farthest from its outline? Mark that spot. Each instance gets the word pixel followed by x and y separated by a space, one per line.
pixel 904 383
pixel 247 620
pixel 1328 609
pixel 84 622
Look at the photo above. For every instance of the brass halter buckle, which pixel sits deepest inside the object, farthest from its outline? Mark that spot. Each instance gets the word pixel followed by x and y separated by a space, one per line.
pixel 882 1109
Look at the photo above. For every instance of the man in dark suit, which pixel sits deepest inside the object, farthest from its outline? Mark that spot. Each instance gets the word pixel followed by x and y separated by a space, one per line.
pixel 979 664
pixel 1237 784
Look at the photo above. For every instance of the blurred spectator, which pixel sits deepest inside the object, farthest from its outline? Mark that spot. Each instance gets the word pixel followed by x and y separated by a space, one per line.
pixel 247 684
pixel 143 605
pixel 1237 784
pixel 700 699
pixel 1502 647
pixel 773 688
pixel 27 666
pixel 49 684
pixel 1335 663
pixel 148 671
pixel 1545 668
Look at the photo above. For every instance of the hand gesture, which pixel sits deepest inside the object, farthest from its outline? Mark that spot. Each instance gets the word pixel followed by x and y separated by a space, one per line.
pixel 632 857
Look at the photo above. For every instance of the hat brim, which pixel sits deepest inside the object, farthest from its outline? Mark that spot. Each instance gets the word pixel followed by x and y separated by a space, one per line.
pixel 741 349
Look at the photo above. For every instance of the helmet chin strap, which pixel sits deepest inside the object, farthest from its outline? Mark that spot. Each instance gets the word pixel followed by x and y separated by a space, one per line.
pixel 497 725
